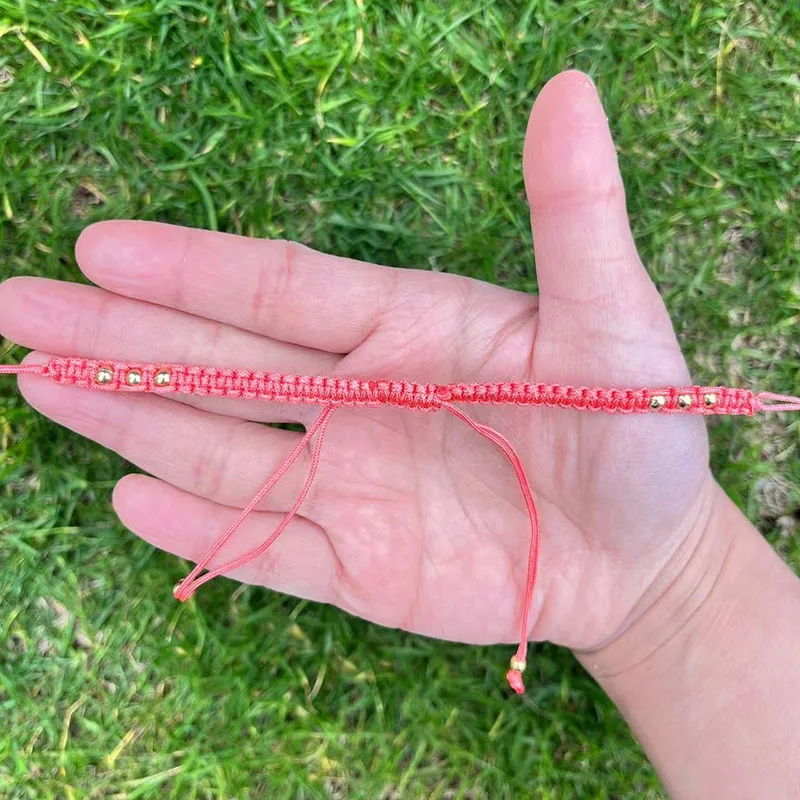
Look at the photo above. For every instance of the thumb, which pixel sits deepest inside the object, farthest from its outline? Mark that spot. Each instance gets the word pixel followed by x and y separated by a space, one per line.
pixel 592 285
pixel 584 248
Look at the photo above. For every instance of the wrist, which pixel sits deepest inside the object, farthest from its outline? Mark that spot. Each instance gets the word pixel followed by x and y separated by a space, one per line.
pixel 680 591
pixel 705 675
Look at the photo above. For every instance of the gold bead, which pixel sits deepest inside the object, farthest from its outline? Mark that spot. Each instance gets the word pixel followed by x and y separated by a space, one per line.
pixel 685 401
pixel 134 377
pixel 162 377
pixel 658 401
pixel 104 375
pixel 710 400
pixel 518 664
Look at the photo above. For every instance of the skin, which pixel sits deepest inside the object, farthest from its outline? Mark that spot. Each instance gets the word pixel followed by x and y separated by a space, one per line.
pixel 414 521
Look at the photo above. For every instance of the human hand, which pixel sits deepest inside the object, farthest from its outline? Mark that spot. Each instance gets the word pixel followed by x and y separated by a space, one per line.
pixel 414 521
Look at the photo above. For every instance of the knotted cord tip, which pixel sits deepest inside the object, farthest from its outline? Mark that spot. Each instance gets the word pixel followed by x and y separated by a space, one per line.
pixel 514 675
pixel 181 593
pixel 514 678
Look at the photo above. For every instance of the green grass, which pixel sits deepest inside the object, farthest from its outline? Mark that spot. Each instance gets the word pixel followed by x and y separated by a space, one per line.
pixel 390 132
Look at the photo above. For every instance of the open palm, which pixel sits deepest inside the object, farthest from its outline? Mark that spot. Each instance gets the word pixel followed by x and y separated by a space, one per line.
pixel 413 521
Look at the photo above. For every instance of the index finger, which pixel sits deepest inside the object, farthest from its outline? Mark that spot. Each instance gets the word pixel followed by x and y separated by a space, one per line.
pixel 276 288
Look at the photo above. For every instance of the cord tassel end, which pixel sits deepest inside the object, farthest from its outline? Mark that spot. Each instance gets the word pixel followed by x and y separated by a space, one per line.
pixel 514 675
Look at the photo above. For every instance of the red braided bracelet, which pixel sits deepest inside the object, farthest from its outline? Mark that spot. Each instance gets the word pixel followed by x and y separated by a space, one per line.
pixel 331 393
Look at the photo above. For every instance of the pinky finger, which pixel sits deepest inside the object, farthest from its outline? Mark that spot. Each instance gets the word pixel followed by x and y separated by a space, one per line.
pixel 302 562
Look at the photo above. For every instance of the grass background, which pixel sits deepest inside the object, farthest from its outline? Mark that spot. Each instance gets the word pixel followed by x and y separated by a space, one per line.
pixel 391 132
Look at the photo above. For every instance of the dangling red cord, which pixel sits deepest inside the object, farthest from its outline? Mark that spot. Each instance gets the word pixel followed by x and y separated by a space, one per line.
pixel 20 369
pixel 519 660
pixel 191 583
pixel 334 392
pixel 779 402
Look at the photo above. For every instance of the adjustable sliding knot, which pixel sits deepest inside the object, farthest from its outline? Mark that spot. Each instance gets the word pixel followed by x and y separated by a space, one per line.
pixel 444 394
